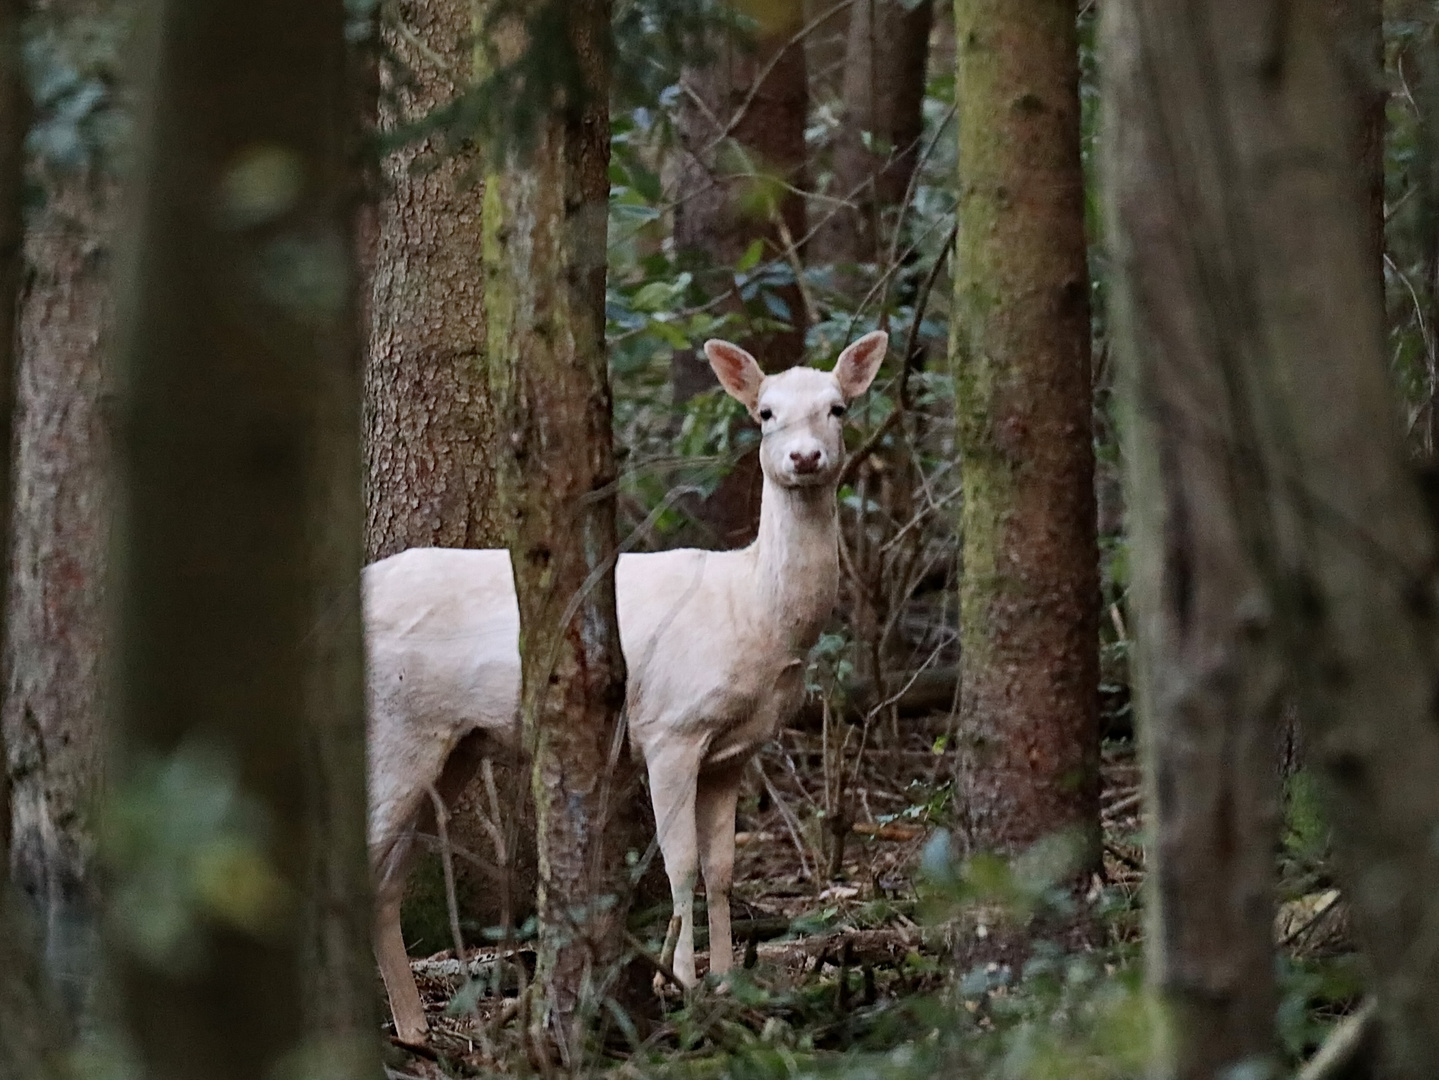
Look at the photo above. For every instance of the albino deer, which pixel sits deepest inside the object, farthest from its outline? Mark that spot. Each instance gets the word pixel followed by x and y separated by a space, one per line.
pixel 715 644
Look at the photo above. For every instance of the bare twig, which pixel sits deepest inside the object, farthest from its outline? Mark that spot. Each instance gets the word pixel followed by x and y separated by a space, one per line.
pixel 868 447
pixel 1354 1038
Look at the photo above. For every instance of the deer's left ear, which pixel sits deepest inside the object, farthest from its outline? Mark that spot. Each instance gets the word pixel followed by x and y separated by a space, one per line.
pixel 859 363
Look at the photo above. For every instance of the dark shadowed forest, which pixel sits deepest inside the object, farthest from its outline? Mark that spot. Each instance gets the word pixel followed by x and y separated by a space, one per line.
pixel 696 539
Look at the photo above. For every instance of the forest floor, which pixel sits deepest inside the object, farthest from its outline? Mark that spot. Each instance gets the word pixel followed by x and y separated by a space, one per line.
pixel 875 961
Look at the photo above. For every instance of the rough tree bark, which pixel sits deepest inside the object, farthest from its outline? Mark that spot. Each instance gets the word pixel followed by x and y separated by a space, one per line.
pixel 1029 596
pixel 30 1048
pixel 741 180
pixel 882 121
pixel 14 121
pixel 237 325
pixel 428 417
pixel 429 414
pixel 1265 448
pixel 545 258
pixel 59 533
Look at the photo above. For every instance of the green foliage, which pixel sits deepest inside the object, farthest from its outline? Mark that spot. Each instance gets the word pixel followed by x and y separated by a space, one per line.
pixel 1314 993
pixel 189 848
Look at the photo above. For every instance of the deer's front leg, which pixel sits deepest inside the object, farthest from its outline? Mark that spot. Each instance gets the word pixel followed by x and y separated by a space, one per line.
pixel 718 792
pixel 673 778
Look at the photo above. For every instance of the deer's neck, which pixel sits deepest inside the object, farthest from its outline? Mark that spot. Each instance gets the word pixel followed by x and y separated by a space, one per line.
pixel 796 559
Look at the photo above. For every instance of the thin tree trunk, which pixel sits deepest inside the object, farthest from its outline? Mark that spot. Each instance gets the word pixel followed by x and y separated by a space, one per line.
pixel 1254 346
pixel 54 619
pixel 14 121
pixel 29 1045
pixel 875 155
pixel 546 292
pixel 742 164
pixel 59 550
pixel 882 122
pixel 1029 597
pixel 742 120
pixel 428 417
pixel 236 373
pixel 824 47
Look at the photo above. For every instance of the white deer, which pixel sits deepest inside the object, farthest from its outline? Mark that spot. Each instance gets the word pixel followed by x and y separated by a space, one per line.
pixel 715 644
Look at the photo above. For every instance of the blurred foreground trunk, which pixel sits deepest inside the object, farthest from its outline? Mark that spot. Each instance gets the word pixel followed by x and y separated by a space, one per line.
pixel 546 293
pixel 1277 520
pixel 238 397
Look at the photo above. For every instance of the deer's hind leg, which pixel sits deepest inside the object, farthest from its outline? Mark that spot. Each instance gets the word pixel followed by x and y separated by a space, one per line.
pixel 400 797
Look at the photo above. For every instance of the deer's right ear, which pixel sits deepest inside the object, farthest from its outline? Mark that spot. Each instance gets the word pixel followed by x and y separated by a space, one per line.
pixel 739 373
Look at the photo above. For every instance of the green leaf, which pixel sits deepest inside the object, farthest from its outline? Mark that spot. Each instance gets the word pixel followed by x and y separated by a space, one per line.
pixel 670 334
pixel 653 297
pixel 751 257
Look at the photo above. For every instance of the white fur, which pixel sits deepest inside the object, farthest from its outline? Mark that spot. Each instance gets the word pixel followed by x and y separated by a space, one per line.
pixel 715 644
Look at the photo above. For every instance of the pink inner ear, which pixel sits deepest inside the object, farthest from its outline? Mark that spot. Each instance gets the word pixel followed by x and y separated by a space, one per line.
pixel 738 372
pixel 859 363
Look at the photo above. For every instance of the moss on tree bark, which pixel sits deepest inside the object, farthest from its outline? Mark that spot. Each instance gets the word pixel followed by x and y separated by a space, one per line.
pixel 1020 350
pixel 545 262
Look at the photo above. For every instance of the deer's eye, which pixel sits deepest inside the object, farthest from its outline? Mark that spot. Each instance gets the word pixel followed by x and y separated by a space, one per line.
pixel 836 410
pixel 766 414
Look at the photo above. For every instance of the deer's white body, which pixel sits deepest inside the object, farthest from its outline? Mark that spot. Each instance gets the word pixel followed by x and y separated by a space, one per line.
pixel 715 644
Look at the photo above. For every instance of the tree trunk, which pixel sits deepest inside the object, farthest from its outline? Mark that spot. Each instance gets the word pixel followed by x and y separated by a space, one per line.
pixel 14 121
pixel 29 1046
pixel 742 162
pixel 882 124
pixel 236 372
pixel 1254 347
pixel 1029 597
pixel 428 416
pixel 824 48
pixel 59 550
pixel 875 155
pixel 339 999
pixel 429 413
pixel 545 285
pixel 1359 30
pixel 1207 690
